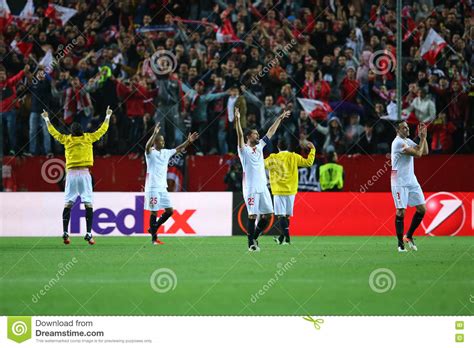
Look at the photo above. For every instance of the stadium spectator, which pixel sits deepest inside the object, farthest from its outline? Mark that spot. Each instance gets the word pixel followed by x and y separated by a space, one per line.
pixel 322 53
pixel 331 174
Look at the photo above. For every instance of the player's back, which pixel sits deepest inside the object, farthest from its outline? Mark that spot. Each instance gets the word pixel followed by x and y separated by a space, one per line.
pixel 403 168
pixel 254 178
pixel 78 150
pixel 157 168
pixel 283 172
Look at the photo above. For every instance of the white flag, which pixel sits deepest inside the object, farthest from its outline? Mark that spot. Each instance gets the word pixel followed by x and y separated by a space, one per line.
pixel 309 105
pixel 4 9
pixel 47 61
pixel 28 10
pixel 431 47
pixel 61 13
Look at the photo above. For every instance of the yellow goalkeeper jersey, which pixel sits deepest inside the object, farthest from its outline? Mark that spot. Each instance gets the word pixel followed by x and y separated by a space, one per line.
pixel 283 170
pixel 78 149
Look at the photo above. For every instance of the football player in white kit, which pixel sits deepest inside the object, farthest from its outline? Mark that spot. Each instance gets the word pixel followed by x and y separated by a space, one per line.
pixel 405 187
pixel 156 193
pixel 254 181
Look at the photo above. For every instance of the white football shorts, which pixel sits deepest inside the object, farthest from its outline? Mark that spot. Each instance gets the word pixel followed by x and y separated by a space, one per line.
pixel 258 203
pixel 407 195
pixel 78 183
pixel 284 204
pixel 155 200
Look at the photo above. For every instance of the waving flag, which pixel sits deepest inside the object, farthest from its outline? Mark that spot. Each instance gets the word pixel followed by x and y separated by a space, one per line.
pixel 433 44
pixel 315 108
pixel 60 14
pixel 5 14
pixel 28 11
pixel 226 33
pixel 23 48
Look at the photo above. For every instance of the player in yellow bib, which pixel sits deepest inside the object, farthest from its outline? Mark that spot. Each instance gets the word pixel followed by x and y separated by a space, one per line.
pixel 79 158
pixel 283 171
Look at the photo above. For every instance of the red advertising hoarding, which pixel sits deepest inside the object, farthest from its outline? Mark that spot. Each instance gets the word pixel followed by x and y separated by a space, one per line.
pixel 365 214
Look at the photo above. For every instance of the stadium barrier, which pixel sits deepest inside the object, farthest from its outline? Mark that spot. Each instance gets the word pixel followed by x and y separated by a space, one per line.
pixel 225 214
pixel 206 173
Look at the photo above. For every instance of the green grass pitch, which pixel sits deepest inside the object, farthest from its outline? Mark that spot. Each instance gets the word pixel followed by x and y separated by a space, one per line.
pixel 217 276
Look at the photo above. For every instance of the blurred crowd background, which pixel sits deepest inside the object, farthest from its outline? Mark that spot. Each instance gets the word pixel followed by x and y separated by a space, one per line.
pixel 187 64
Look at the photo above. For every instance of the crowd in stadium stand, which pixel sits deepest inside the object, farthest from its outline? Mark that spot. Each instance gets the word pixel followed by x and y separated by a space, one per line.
pixel 187 64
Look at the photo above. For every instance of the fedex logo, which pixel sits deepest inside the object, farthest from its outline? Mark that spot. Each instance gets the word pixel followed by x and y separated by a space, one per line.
pixel 130 220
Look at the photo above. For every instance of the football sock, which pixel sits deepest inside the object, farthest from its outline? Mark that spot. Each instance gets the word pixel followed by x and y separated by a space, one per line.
pixel 89 219
pixel 153 224
pixel 250 231
pixel 287 229
pixel 165 216
pixel 66 218
pixel 415 222
pixel 283 228
pixel 399 229
pixel 261 226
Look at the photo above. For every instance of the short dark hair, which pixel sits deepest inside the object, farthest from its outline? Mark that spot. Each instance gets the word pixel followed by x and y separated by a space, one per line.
pixel 331 156
pixel 282 144
pixel 398 123
pixel 76 129
pixel 249 131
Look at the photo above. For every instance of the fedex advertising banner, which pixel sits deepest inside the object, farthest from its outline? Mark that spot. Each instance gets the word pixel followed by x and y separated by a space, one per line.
pixel 115 214
pixel 367 214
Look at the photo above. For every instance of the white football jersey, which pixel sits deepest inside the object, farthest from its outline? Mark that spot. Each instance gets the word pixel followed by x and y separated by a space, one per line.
pixel 403 169
pixel 157 169
pixel 254 179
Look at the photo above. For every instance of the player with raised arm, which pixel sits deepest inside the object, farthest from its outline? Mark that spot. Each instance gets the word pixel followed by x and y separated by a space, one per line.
pixel 156 193
pixel 79 158
pixel 254 181
pixel 405 187
pixel 283 172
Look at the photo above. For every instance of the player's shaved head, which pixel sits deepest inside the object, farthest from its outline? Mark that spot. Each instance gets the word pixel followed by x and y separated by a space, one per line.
pixel 402 129
pixel 159 142
pixel 76 129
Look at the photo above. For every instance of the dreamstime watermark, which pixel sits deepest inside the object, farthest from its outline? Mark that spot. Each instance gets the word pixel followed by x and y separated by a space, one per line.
pixel 276 58
pixel 163 62
pixel 52 171
pixel 63 269
pixel 163 280
pixel 381 172
pixel 382 62
pixel 382 280
pixel 177 159
pixel 282 269
pixel 62 52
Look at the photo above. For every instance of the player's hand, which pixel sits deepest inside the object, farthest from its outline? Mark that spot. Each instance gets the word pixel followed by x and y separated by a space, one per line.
pixel 310 145
pixel 108 112
pixel 422 130
pixel 193 137
pixel 157 128
pixel 45 115
pixel 285 114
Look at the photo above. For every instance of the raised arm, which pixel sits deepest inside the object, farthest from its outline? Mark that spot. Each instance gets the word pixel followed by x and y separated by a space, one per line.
pixel 420 149
pixel 422 130
pixel 307 162
pixel 238 129
pixel 191 139
pixel 152 139
pixel 276 124
pixel 53 131
pixel 103 128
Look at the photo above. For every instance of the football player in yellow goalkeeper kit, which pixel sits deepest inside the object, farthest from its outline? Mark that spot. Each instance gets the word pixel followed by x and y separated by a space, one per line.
pixel 79 158
pixel 283 170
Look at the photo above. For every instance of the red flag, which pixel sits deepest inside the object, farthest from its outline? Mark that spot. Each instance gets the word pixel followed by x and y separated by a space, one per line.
pixel 226 33
pixel 5 15
pixel 60 14
pixel 431 47
pixel 23 48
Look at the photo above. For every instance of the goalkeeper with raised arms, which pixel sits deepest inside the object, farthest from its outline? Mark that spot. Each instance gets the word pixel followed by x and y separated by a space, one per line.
pixel 79 159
